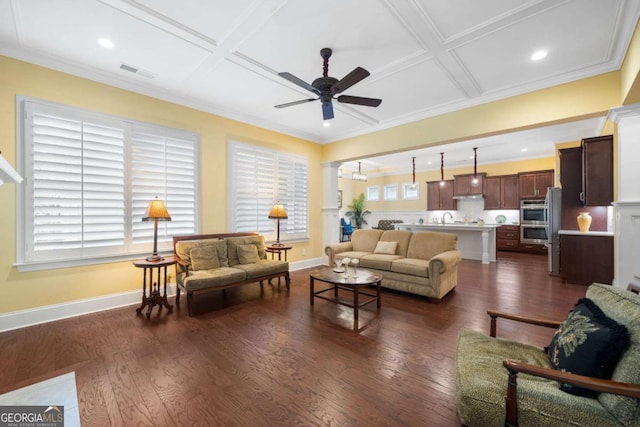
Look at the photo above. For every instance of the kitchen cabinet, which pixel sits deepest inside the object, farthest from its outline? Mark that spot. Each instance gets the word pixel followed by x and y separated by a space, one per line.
pixel 585 259
pixel 533 185
pixel 440 197
pixel 508 238
pixel 464 184
pixel 597 171
pixel 501 192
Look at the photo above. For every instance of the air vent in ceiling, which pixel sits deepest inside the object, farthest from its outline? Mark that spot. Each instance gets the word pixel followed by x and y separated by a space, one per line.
pixel 134 70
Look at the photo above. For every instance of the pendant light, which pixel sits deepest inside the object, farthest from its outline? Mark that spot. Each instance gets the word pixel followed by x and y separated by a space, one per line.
pixel 475 165
pixel 413 184
pixel 442 169
pixel 359 176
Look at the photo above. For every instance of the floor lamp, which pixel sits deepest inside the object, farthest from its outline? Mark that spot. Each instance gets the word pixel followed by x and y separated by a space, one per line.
pixel 156 211
pixel 278 213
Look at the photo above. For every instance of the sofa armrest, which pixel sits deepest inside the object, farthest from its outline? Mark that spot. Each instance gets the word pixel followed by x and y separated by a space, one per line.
pixel 440 263
pixel 333 250
pixel 522 319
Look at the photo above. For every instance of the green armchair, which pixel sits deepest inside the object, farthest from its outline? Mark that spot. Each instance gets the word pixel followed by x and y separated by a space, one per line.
pixel 503 382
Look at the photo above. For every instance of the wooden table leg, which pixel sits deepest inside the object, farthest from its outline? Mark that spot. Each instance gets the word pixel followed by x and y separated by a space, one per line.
pixel 311 290
pixel 356 305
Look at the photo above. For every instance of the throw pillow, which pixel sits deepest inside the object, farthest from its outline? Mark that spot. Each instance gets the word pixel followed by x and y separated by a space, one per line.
pixel 587 343
pixel 388 248
pixel 248 254
pixel 204 258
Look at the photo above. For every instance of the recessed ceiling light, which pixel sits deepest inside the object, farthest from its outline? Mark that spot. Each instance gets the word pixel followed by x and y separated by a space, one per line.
pixel 538 55
pixel 326 123
pixel 106 43
pixel 524 150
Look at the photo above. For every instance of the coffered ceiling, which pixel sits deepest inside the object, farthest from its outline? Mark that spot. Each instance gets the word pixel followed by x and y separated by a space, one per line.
pixel 425 57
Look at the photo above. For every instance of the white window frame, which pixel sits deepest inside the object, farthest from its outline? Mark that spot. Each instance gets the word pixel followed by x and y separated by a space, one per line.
pixel 410 194
pixel 373 193
pixel 258 178
pixel 391 192
pixel 148 160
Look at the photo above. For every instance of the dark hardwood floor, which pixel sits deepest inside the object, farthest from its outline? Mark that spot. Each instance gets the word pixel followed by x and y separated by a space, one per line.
pixel 267 358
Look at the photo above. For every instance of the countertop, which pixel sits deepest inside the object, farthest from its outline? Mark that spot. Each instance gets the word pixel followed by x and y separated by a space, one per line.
pixel 448 226
pixel 585 233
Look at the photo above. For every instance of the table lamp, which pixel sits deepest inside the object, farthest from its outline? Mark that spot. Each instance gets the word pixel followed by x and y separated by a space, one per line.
pixel 156 211
pixel 278 213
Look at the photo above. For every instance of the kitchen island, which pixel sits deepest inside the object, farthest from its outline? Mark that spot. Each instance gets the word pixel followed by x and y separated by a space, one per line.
pixel 474 241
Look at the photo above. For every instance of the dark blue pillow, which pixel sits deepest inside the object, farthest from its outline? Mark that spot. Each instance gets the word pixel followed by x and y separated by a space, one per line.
pixel 587 343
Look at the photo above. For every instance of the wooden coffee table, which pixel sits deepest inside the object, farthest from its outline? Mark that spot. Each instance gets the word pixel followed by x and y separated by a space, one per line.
pixel 355 285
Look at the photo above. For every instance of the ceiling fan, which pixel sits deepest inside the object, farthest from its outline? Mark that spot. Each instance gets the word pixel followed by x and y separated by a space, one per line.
pixel 327 87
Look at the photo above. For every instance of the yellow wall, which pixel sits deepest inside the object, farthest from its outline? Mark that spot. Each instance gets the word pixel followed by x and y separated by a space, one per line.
pixel 27 290
pixel 581 99
pixel 630 77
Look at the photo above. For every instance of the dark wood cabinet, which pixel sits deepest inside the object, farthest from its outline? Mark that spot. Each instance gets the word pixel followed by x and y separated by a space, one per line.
pixel 597 171
pixel 533 185
pixel 501 192
pixel 585 259
pixel 508 238
pixel 440 197
pixel 464 185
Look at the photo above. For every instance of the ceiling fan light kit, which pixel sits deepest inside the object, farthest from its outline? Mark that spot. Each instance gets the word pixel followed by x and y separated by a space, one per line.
pixel 326 88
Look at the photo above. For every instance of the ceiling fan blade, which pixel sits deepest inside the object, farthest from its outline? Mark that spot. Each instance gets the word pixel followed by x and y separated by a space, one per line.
pixel 299 82
pixel 358 100
pixel 327 110
pixel 349 80
pixel 289 104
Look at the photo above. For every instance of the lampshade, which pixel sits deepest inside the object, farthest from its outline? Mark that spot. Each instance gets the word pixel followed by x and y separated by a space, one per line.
pixel 8 173
pixel 156 210
pixel 278 212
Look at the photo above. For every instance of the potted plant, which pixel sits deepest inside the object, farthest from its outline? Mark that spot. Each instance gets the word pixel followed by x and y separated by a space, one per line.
pixel 357 211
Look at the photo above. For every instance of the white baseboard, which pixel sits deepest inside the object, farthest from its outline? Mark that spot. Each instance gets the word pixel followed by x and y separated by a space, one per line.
pixel 50 313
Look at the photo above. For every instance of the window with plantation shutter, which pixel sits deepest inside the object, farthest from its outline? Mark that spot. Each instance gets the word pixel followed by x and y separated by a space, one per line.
pixel 258 178
pixel 89 178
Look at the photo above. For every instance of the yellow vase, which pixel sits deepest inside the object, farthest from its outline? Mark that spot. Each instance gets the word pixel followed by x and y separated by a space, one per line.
pixel 584 221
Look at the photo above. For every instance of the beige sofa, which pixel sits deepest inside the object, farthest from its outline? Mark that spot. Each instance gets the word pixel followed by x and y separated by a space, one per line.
pixel 212 262
pixel 423 263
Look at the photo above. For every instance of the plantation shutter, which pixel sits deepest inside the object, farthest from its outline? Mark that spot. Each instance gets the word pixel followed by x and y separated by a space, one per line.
pixel 258 178
pixel 89 179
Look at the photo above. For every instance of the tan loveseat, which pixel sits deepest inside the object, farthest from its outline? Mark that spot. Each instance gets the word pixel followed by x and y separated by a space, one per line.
pixel 423 263
pixel 212 262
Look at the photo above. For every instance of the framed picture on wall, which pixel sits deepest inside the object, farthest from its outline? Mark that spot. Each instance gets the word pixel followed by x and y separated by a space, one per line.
pixel 339 199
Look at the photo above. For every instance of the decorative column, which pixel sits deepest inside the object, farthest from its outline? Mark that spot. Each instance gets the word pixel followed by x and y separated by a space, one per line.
pixel 627 204
pixel 330 211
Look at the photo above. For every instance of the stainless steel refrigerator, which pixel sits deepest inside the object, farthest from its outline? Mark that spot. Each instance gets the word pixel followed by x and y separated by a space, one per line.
pixel 552 216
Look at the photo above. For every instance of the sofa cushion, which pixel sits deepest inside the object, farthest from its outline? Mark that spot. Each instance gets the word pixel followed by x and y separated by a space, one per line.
pixel 234 242
pixel 365 240
pixel 587 343
pixel 402 237
pixel 388 248
pixel 623 307
pixel 248 254
pixel 203 279
pixel 411 266
pixel 204 258
pixel 184 247
pixel 481 384
pixel 426 244
pixel 378 261
pixel 263 267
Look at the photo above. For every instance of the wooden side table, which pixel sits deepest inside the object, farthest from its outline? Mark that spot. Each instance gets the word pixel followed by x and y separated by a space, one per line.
pixel 273 249
pixel 155 297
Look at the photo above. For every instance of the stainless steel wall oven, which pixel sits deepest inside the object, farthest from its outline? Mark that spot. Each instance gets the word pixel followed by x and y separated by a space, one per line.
pixel 533 222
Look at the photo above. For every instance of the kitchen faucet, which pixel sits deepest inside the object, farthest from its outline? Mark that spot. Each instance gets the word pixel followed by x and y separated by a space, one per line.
pixel 445 214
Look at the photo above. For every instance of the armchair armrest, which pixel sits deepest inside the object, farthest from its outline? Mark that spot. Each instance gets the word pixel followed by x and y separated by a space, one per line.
pixel 522 319
pixel 597 384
